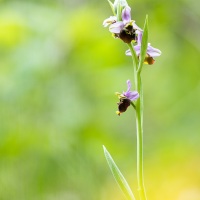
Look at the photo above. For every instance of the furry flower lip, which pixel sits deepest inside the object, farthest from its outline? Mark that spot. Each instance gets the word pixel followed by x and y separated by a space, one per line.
pixel 124 29
pixel 126 98
pixel 151 51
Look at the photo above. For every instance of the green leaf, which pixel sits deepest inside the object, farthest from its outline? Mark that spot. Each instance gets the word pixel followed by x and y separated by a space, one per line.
pixel 144 45
pixel 118 176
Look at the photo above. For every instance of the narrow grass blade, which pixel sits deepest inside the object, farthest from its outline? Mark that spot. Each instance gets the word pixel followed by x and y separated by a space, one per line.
pixel 118 176
pixel 144 44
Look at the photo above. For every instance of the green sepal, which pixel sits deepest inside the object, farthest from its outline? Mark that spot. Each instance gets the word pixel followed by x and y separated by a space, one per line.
pixel 119 12
pixel 144 44
pixel 118 176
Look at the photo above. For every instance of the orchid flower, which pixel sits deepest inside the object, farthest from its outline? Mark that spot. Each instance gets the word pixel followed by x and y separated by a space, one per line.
pixel 126 98
pixel 125 29
pixel 151 51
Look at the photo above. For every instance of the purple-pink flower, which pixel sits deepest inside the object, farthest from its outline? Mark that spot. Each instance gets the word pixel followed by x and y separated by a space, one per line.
pixel 131 95
pixel 125 29
pixel 151 51
pixel 126 98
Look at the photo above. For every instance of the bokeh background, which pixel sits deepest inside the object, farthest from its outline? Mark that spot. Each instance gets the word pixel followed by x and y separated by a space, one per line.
pixel 59 70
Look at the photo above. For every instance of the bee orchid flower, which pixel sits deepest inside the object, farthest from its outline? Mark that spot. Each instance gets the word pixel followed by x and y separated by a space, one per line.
pixel 151 51
pixel 125 28
pixel 126 98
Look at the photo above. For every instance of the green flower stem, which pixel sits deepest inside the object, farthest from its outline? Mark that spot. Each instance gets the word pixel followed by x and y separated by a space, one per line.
pixel 133 105
pixel 134 57
pixel 139 124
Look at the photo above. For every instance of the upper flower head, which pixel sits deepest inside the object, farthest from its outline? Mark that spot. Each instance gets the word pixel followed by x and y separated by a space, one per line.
pixel 125 27
pixel 126 98
pixel 151 51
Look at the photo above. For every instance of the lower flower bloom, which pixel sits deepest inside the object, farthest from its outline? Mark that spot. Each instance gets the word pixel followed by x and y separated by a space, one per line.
pixel 126 98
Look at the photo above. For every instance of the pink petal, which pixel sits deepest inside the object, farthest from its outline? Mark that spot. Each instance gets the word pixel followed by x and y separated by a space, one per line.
pixel 116 27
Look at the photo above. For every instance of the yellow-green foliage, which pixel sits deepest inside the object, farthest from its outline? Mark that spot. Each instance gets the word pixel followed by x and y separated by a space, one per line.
pixel 59 70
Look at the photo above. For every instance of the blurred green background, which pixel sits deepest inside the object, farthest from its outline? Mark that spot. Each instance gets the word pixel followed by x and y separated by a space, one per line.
pixel 59 70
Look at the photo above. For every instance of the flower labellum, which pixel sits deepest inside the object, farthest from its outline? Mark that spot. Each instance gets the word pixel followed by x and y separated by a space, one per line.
pixel 123 105
pixel 126 98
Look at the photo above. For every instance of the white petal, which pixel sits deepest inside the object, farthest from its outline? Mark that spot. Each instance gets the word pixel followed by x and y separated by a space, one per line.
pixel 110 20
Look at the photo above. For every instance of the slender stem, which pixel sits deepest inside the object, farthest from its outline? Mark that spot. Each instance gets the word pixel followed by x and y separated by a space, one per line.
pixel 133 105
pixel 134 57
pixel 139 125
